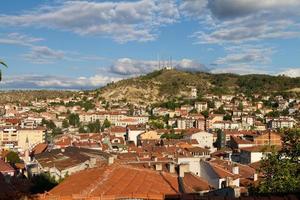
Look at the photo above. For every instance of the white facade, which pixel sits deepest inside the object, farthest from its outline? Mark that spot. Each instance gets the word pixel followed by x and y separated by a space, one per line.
pixel 204 139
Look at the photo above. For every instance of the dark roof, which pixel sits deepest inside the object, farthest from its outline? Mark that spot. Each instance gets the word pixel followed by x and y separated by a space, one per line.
pixel 68 157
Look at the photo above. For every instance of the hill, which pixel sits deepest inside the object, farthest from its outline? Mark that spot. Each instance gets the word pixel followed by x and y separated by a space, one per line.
pixel 165 84
pixel 22 96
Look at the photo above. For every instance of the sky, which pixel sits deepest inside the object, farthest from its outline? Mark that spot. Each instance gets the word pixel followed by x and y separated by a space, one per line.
pixel 84 44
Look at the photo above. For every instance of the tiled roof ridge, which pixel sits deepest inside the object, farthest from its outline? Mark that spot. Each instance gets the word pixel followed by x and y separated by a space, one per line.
pixel 101 180
pixel 216 166
pixel 162 174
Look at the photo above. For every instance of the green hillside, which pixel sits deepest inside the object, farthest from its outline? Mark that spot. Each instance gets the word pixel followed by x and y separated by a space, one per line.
pixel 167 84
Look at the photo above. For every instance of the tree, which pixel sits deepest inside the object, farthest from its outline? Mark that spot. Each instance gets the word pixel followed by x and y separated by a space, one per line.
pixel 49 124
pixel 211 104
pixel 42 182
pixel 56 131
pixel 65 123
pixel 171 136
pixel 94 127
pixel 13 157
pixel 220 110
pixel 205 113
pixel 3 64
pixel 106 124
pixel 193 111
pixel 227 117
pixel 157 124
pixel 74 119
pixel 240 106
pixel 281 169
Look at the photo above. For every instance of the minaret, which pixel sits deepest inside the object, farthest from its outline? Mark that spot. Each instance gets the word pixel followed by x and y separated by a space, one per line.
pixel 26 157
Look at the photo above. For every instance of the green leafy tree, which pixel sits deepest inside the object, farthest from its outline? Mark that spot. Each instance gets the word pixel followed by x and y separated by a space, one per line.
pixel 74 119
pixel 42 182
pixel 106 124
pixel 205 113
pixel 13 157
pixel 157 124
pixel 193 111
pixel 94 127
pixel 220 110
pixel 56 131
pixel 166 118
pixel 240 106
pixel 49 124
pixel 171 136
pixel 65 123
pixel 211 104
pixel 281 169
pixel 227 117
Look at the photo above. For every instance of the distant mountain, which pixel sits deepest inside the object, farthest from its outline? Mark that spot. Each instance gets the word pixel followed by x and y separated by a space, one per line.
pixel 166 84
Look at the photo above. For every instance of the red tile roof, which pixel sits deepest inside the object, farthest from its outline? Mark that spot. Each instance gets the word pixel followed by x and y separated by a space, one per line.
pixel 192 183
pixel 5 167
pixel 118 181
pixel 39 148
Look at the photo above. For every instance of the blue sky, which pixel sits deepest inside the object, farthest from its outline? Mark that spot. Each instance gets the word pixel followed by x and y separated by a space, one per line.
pixel 86 44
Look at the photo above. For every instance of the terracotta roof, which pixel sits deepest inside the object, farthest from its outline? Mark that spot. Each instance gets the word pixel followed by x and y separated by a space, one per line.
pixel 39 148
pixel 239 140
pixel 245 171
pixel 5 167
pixel 261 148
pixel 192 183
pixel 117 129
pixel 255 165
pixel 118 181
pixel 68 157
pixel 197 150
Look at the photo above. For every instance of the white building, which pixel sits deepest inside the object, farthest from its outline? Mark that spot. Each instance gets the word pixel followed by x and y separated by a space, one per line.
pixel 204 139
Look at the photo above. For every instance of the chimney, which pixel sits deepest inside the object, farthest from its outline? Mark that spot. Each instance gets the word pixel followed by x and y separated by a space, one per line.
pixel 171 167
pixel 158 167
pixel 235 169
pixel 110 160
pixel 92 162
pixel 255 177
pixel 183 168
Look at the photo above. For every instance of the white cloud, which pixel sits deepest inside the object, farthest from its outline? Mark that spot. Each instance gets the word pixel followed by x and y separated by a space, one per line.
pixel 291 72
pixel 55 82
pixel 189 65
pixel 43 55
pixel 122 21
pixel 246 54
pixel 241 69
pixel 128 66
pixel 19 39
pixel 244 59
pixel 193 8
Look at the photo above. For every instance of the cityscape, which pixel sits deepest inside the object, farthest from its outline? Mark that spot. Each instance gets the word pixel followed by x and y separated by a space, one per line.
pixel 149 99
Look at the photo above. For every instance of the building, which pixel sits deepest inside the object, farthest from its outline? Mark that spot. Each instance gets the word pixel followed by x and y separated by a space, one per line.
pixel 62 162
pixel 130 182
pixel 281 123
pixel 217 176
pixel 204 139
pixel 254 154
pixel 267 138
pixel 15 138
pixel 6 169
pixel 201 106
